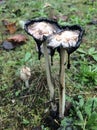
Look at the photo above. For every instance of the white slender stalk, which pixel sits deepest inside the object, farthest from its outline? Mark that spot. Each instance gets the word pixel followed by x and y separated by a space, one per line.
pixel 62 83
pixel 27 83
pixel 49 78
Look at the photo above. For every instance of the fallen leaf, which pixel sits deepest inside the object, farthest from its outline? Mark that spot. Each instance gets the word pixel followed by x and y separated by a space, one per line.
pixel 11 26
pixel 18 38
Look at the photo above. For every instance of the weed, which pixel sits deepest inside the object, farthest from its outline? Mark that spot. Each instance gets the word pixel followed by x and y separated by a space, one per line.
pixel 83 115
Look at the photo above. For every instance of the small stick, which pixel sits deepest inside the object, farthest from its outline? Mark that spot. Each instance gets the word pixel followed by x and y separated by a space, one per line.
pixel 62 82
pixel 49 77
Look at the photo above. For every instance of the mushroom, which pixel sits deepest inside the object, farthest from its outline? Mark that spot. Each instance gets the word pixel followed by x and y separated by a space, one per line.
pixel 49 35
pixel 25 74
pixel 69 40
pixel 39 29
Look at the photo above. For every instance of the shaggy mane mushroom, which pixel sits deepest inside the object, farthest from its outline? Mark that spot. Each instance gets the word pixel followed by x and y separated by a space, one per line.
pixel 50 36
pixel 67 40
pixel 39 29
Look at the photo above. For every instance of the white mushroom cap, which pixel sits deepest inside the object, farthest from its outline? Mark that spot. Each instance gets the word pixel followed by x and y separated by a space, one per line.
pixel 40 29
pixel 65 38
pixel 25 73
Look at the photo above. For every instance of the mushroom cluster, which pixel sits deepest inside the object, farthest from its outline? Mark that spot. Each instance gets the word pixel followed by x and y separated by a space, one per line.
pixel 50 36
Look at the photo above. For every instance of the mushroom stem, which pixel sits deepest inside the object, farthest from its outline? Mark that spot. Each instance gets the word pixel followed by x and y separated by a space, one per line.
pixel 27 83
pixel 49 77
pixel 62 83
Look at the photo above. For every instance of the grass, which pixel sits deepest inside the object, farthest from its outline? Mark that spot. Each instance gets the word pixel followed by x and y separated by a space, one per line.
pixel 22 108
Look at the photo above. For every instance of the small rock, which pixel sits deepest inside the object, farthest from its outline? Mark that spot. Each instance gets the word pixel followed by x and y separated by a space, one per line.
pixel 7 45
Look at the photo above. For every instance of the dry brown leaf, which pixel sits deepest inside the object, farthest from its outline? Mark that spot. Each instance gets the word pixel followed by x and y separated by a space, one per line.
pixel 11 26
pixel 18 38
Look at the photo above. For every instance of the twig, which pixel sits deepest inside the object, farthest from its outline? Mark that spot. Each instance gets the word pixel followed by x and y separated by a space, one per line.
pixel 27 96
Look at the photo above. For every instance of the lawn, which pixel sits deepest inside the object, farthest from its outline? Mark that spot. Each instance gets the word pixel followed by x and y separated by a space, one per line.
pixel 23 108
